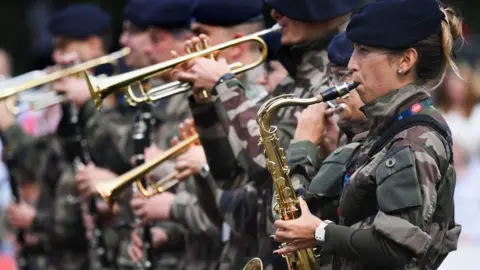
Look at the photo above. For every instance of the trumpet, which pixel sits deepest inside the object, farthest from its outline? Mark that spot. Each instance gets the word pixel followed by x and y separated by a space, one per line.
pixel 35 102
pixel 100 89
pixel 110 189
pixel 37 78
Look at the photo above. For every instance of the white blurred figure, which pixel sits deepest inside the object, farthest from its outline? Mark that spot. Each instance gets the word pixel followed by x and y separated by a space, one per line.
pixel 467 209
pixel 457 99
pixel 6 246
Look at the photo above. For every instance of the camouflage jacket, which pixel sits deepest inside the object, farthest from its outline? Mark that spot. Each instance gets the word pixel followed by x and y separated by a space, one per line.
pixel 229 134
pixel 401 197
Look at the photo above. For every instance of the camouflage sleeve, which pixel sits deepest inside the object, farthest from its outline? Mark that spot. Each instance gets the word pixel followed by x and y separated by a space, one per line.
pixel 16 138
pixel 175 233
pixel 303 159
pixel 228 130
pixel 192 216
pixel 109 140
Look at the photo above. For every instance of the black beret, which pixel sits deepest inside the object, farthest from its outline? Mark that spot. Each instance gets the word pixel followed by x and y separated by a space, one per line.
pixel 79 21
pixel 170 14
pixel 395 24
pixel 313 10
pixel 228 13
pixel 340 50
pixel 136 12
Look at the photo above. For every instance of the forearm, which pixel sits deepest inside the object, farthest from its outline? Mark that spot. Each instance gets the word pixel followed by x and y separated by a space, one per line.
pixel 366 246
pixel 175 234
pixel 187 211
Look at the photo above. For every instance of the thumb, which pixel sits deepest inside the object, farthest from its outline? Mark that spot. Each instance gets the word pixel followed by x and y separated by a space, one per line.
pixel 303 206
pixel 223 61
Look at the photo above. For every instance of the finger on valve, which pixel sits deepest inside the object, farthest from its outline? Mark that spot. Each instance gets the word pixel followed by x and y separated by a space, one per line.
pixel 183 131
pixel 175 141
pixel 190 126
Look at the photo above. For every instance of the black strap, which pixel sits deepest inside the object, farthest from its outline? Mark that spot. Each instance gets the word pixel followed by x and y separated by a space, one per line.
pixel 404 124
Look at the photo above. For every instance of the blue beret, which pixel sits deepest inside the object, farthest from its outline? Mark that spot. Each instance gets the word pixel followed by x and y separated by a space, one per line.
pixel 340 50
pixel 79 21
pixel 395 24
pixel 274 43
pixel 170 14
pixel 135 12
pixel 313 10
pixel 227 13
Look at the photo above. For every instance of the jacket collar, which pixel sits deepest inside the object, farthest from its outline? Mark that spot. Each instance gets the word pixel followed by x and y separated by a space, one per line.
pixel 384 110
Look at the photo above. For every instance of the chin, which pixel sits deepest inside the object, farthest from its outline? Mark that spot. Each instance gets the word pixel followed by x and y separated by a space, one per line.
pixel 286 40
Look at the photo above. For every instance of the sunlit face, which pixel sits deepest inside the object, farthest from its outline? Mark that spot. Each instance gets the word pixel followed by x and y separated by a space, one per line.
pixel 161 45
pixel 273 76
pixel 216 35
pixel 293 32
pixel 374 70
pixel 63 47
pixel 138 41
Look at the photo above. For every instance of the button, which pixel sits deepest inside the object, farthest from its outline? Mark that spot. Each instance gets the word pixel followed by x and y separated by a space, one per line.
pixel 390 162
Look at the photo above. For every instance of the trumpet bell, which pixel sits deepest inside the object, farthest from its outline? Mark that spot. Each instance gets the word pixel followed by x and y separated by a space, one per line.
pixel 111 188
pixel 254 264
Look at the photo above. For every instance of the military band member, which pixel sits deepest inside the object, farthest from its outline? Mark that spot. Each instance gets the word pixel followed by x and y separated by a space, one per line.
pixel 396 207
pixel 234 153
pixel 80 33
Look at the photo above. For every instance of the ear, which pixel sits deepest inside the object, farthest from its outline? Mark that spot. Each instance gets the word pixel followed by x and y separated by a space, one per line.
pixel 408 60
pixel 239 49
pixel 95 42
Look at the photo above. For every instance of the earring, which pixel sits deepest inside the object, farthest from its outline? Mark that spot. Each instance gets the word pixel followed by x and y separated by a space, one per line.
pixel 400 71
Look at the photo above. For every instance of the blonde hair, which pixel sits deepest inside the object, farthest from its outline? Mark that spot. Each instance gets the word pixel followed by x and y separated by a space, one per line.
pixel 451 31
pixel 435 53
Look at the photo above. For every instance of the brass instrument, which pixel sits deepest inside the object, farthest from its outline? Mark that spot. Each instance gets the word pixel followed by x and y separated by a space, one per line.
pixel 110 189
pixel 11 87
pixel 254 264
pixel 286 205
pixel 100 89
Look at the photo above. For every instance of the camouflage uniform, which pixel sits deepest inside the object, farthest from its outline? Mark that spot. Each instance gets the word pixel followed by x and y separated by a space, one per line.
pixel 99 131
pixel 401 197
pixel 229 134
pixel 194 216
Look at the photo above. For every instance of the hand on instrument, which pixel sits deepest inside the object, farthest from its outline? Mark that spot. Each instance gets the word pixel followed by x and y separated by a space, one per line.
pixel 75 89
pixel 298 233
pixel 21 215
pixel 7 119
pixel 135 249
pixel 330 137
pixel 157 207
pixel 190 162
pixel 85 179
pixel 202 72
pixel 311 125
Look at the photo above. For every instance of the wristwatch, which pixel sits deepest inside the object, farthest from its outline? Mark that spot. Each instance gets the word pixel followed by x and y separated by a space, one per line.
pixel 204 171
pixel 320 231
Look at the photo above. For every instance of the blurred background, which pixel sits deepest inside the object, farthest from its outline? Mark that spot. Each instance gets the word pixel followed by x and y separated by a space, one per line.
pixel 26 40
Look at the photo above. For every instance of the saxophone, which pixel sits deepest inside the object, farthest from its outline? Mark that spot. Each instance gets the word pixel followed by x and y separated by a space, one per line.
pixel 286 205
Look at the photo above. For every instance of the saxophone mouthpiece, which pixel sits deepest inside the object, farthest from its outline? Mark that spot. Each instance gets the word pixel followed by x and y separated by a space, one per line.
pixel 337 91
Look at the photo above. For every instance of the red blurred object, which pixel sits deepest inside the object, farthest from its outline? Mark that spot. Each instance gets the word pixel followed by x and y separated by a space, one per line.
pixel 7 263
pixel 467 33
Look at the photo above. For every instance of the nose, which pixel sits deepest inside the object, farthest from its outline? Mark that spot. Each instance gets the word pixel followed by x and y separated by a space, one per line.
pixel 275 15
pixel 123 39
pixel 353 64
